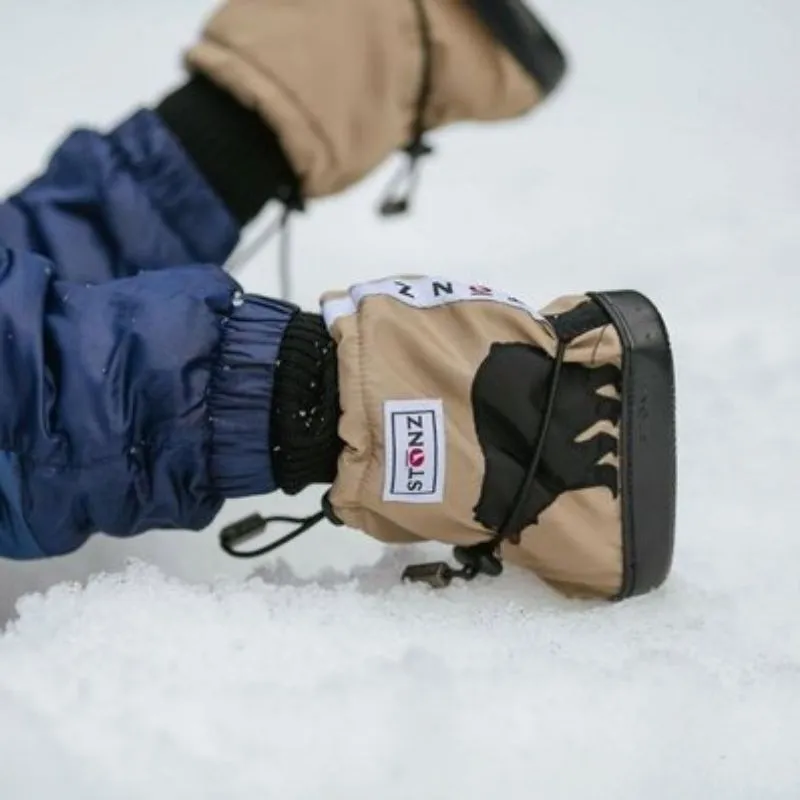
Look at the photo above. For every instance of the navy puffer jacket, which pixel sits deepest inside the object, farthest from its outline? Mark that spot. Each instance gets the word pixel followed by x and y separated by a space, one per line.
pixel 135 377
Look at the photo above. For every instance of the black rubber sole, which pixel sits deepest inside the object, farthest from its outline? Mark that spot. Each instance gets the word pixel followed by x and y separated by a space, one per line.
pixel 522 33
pixel 647 441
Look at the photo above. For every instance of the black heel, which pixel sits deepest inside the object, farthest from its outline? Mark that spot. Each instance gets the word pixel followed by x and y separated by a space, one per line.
pixel 647 442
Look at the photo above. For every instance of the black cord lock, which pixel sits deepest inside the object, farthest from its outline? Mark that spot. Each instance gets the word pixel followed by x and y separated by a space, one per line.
pixel 479 559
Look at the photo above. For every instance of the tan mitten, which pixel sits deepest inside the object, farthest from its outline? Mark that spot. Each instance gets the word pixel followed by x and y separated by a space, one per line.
pixel 346 82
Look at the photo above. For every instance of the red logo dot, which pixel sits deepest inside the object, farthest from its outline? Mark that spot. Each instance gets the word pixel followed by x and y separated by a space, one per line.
pixel 415 457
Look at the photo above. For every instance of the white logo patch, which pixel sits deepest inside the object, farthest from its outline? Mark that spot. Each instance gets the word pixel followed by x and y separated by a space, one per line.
pixel 413 431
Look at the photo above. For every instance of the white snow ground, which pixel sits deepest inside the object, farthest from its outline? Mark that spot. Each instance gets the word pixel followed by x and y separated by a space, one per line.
pixel 669 163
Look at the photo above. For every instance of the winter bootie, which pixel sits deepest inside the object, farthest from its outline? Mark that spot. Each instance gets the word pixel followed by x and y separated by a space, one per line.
pixel 545 439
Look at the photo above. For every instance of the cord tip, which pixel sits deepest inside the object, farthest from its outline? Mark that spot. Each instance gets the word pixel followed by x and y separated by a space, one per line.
pixel 242 530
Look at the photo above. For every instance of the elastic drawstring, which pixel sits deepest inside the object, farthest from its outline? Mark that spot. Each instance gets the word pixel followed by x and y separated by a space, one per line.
pixel 278 225
pixel 242 531
pixel 398 195
pixel 482 558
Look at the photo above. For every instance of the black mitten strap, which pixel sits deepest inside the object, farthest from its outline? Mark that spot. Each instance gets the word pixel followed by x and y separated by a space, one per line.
pixel 305 406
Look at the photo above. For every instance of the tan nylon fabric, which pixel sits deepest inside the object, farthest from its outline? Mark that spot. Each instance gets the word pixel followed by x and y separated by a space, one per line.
pixel 390 351
pixel 339 79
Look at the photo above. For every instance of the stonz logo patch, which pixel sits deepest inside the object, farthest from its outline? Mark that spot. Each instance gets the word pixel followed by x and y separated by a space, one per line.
pixel 415 451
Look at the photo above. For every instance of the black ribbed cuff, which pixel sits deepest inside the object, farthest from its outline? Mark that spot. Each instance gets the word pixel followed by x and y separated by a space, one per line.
pixel 304 427
pixel 234 148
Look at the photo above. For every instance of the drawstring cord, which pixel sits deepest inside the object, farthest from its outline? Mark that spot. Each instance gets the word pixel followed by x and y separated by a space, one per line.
pixel 482 558
pixel 279 224
pixel 291 201
pixel 399 193
pixel 244 530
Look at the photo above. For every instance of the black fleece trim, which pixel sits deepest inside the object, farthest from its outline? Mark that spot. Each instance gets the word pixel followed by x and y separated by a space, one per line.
pixel 233 147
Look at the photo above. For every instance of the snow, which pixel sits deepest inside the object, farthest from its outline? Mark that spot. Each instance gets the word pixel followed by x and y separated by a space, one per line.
pixel 669 163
